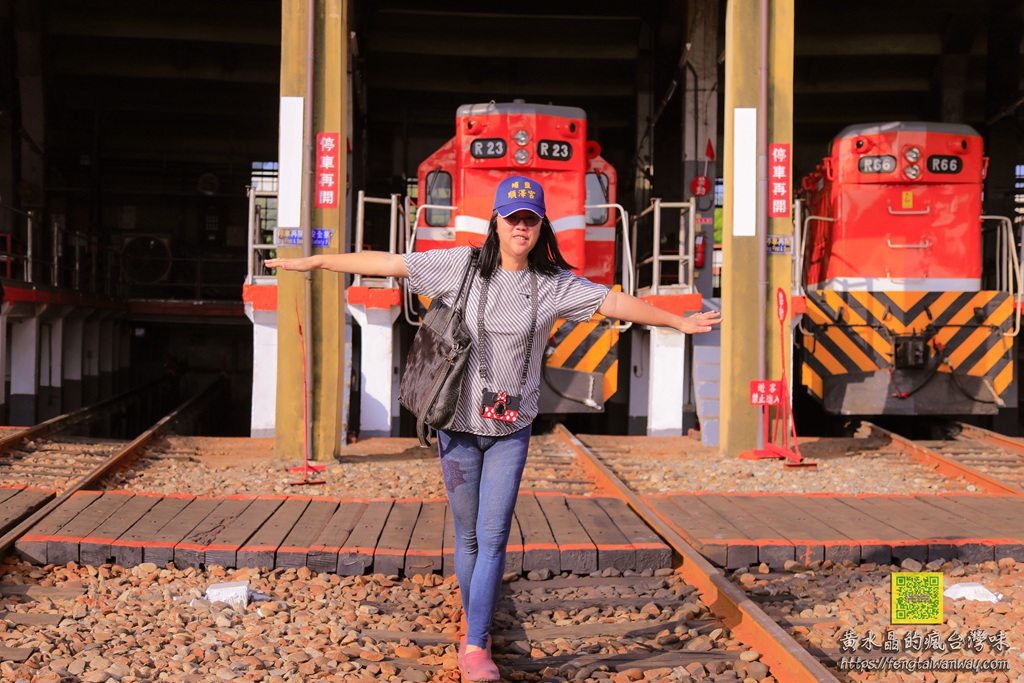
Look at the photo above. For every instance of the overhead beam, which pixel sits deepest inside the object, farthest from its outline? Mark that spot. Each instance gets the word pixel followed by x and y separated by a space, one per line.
pixel 423 43
pixel 180 27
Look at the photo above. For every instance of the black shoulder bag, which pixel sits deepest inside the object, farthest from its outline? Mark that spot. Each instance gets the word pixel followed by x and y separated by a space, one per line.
pixel 436 364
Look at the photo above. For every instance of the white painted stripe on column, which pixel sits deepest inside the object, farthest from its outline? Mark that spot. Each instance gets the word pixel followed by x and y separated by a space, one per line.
pixel 744 172
pixel 289 169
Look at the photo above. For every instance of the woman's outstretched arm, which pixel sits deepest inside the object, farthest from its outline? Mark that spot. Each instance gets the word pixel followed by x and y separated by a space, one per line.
pixel 622 306
pixel 371 263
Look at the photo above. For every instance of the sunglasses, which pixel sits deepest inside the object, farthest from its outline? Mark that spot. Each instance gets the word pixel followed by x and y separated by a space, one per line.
pixel 530 220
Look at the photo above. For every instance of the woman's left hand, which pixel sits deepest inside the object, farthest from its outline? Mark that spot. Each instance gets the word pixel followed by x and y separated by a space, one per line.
pixel 699 322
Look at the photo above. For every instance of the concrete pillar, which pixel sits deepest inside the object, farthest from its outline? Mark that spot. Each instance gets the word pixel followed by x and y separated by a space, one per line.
pixel 106 359
pixel 91 361
pixel 700 124
pixel 1002 145
pixel 72 356
pixel 24 371
pixel 51 366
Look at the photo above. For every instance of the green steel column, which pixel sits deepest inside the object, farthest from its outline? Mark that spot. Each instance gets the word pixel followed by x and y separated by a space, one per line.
pixel 780 130
pixel 323 335
pixel 743 338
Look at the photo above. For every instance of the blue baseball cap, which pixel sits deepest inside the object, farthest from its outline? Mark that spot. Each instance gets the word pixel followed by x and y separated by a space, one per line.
pixel 517 193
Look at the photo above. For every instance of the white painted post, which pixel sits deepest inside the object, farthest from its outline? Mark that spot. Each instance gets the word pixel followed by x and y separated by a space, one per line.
pixel 665 397
pixel 264 371
pixel 378 370
pixel 24 371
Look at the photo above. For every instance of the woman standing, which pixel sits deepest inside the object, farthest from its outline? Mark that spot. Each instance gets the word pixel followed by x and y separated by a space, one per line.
pixel 523 286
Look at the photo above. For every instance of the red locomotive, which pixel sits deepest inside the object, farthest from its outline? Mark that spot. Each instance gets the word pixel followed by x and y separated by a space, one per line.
pixel 898 319
pixel 547 142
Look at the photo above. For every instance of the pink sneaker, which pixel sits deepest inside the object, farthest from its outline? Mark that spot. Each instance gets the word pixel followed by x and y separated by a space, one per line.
pixel 477 666
pixel 462 645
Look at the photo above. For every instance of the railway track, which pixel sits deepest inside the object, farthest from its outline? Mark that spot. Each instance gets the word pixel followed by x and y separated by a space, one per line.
pixel 607 624
pixel 992 462
pixel 43 466
pixel 788 660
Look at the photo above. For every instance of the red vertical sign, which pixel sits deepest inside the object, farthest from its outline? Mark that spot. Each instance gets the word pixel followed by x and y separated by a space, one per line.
pixel 326 171
pixel 778 180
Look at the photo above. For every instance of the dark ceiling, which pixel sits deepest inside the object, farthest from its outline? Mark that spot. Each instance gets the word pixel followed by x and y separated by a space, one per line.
pixel 143 99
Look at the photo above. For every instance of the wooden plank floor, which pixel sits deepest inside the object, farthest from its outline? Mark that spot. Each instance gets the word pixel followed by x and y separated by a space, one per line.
pixel 736 530
pixel 350 537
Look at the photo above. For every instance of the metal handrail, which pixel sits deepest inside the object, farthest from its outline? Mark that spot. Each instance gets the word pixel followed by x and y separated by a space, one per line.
pixel 800 266
pixel 1008 273
pixel 409 247
pixel 361 202
pixel 255 226
pixel 687 237
pixel 628 276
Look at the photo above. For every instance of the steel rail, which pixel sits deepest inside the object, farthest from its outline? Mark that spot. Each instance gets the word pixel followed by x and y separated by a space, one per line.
pixel 789 661
pixel 943 465
pixel 107 466
pixel 55 424
pixel 995 438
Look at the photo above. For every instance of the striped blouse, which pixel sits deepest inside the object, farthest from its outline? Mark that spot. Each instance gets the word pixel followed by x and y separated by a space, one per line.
pixel 507 325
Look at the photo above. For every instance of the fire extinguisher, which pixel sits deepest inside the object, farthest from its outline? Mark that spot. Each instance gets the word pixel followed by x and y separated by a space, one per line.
pixel 699 250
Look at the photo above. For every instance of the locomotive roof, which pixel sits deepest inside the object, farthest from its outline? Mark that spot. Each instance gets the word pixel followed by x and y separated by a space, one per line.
pixel 909 126
pixel 520 107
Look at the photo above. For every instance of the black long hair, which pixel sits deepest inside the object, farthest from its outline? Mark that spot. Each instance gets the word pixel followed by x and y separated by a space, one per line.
pixel 545 257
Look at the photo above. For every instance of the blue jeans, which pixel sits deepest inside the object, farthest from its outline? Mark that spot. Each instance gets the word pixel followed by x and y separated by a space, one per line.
pixel 481 475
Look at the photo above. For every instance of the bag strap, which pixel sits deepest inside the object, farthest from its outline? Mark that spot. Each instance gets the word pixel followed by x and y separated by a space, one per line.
pixel 422 429
pixel 460 299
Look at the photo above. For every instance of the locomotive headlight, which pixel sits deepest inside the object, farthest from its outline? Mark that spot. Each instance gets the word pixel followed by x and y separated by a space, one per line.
pixel 913 172
pixel 521 138
pixel 912 155
pixel 522 156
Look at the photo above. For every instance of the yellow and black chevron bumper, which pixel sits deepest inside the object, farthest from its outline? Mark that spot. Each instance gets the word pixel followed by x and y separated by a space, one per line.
pixel 909 353
pixel 582 362
pixel 581 366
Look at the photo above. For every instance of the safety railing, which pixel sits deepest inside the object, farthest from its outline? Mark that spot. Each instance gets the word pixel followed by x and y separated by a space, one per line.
pixel 262 220
pixel 410 246
pixel 1008 268
pixel 59 257
pixel 395 218
pixel 196 277
pixel 628 272
pixel 682 259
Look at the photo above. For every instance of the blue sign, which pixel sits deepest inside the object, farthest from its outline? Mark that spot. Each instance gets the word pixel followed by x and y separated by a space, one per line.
pixel 292 237
pixel 780 244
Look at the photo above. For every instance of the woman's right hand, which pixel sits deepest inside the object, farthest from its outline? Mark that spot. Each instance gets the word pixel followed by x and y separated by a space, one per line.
pixel 302 265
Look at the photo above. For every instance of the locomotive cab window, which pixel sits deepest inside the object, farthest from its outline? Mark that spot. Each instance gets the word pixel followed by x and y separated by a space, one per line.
pixel 597 193
pixel 439 191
